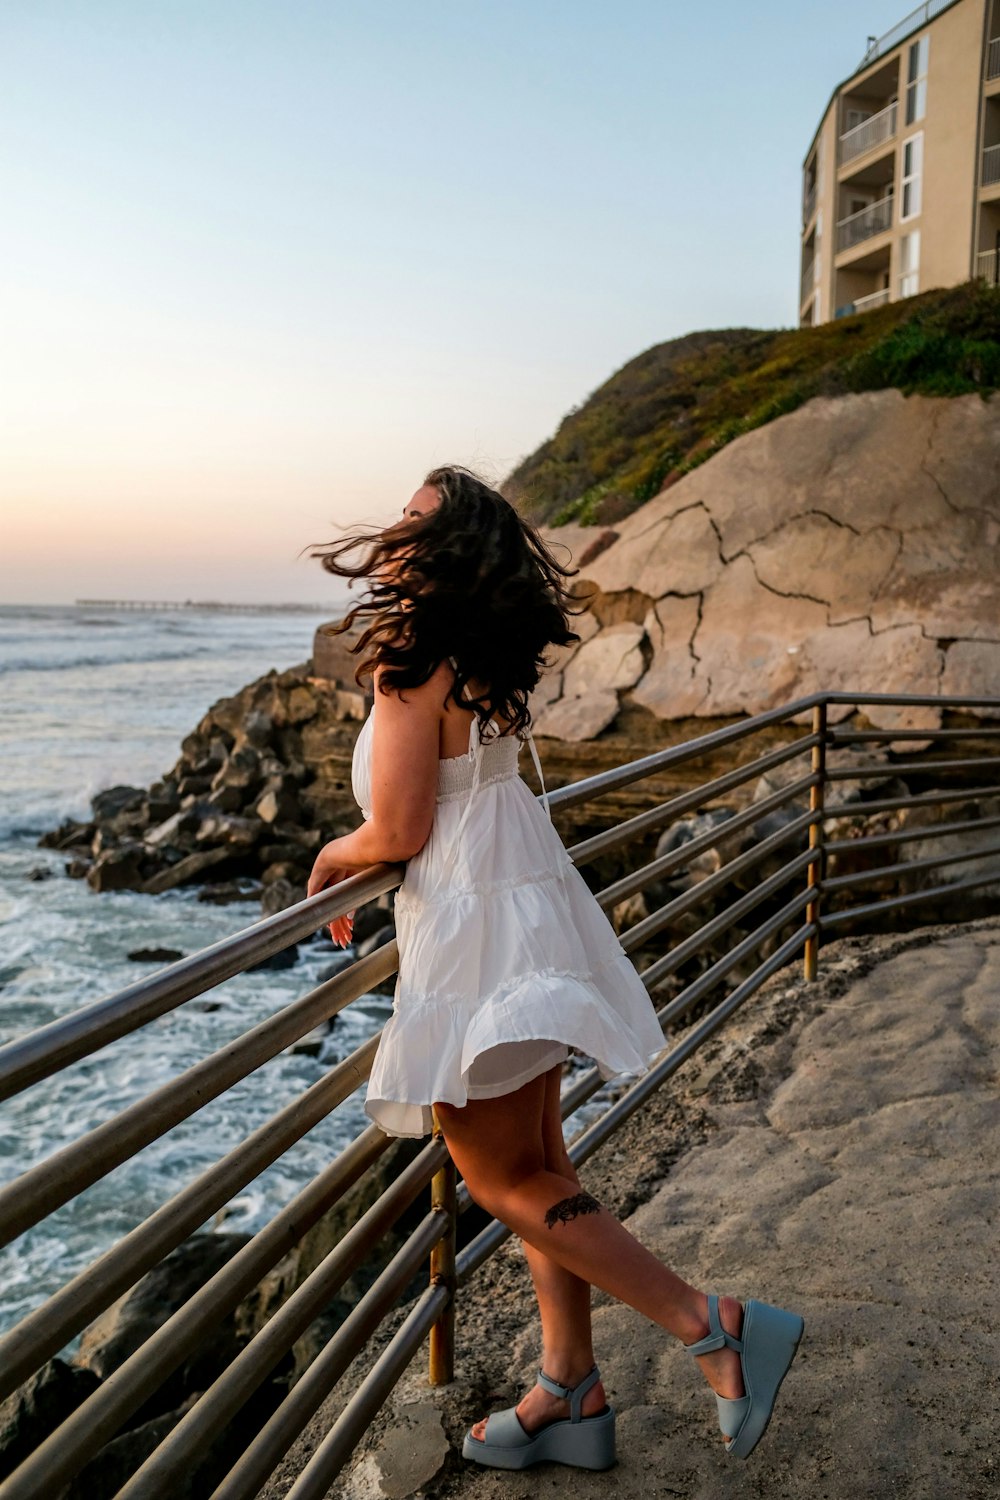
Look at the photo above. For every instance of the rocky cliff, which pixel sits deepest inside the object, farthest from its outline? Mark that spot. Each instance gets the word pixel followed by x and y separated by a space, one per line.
pixel 849 545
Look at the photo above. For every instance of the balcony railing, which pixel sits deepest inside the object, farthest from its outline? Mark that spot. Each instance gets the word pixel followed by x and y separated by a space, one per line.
pixel 873 299
pixel 991 166
pixel 808 283
pixel 988 266
pixel 874 219
pixel 993 58
pixel 870 133
pixel 878 46
pixel 808 205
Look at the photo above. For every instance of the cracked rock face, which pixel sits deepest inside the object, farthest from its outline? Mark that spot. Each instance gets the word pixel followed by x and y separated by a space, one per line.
pixel 851 545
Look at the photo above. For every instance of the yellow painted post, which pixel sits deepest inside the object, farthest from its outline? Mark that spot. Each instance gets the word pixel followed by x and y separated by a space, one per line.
pixel 815 866
pixel 442 1338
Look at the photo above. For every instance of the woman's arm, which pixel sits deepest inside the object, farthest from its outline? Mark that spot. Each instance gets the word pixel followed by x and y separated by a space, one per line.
pixel 404 772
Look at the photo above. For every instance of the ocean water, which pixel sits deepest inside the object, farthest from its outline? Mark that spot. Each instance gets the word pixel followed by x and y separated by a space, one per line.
pixel 93 698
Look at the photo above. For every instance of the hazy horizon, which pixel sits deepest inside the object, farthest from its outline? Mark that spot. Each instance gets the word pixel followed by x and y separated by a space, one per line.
pixel 265 267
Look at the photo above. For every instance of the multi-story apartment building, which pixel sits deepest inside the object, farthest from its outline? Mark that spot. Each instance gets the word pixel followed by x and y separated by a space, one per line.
pixel 901 183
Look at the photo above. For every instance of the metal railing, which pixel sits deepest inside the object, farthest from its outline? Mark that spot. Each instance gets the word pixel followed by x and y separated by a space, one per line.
pixel 991 165
pixel 879 45
pixel 792 898
pixel 872 299
pixel 869 221
pixel 808 204
pixel 808 283
pixel 988 266
pixel 993 59
pixel 874 131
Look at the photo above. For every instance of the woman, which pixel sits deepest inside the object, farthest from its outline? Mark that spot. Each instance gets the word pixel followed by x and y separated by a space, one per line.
pixel 506 960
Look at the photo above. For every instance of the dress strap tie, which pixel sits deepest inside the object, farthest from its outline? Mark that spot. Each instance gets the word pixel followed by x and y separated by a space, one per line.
pixel 538 768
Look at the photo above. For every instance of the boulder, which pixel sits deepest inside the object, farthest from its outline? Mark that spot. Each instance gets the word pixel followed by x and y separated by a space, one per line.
pixel 257 729
pixel 168 832
pixel 38 1407
pixel 188 868
pixel 278 895
pixel 610 659
pixel 579 718
pixel 118 869
pixel 115 799
pixel 154 955
pixel 119 1331
pixel 277 806
pixel 224 892
pixel 241 770
pixel 225 828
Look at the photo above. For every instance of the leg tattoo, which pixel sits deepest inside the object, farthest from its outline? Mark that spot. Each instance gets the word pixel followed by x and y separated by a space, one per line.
pixel 568 1208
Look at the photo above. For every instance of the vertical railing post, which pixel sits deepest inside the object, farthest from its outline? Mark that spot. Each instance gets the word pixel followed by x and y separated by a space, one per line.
pixel 442 1338
pixel 814 869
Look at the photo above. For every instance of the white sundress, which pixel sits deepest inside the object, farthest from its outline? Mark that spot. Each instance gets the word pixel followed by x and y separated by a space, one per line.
pixel 506 960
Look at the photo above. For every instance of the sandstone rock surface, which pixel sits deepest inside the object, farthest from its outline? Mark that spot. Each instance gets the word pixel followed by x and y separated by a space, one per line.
pixel 835 1149
pixel 850 545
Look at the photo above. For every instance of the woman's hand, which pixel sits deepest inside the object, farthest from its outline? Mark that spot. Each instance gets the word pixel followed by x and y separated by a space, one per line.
pixel 325 873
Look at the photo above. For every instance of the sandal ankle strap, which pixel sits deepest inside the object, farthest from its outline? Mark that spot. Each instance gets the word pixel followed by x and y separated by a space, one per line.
pixel 717 1337
pixel 573 1394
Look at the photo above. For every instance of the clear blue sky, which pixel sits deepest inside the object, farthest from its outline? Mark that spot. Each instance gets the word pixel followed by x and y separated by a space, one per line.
pixel 262 264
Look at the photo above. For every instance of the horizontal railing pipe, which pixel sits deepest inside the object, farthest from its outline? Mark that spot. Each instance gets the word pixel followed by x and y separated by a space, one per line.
pixel 909 898
pixel 706 981
pixel 912 767
pixel 844 735
pixel 52 1047
pixel 316 1382
pixel 909 835
pixel 48 1328
pixel 66 1173
pixel 343 1437
pixel 715 927
pixel 718 834
pixel 709 791
pixel 617 777
pixel 916 800
pixel 215 1408
pixel 698 895
pixel 103 1413
pixel 907 867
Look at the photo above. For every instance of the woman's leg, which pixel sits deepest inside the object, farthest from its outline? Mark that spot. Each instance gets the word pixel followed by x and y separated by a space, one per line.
pixel 497 1146
pixel 563 1298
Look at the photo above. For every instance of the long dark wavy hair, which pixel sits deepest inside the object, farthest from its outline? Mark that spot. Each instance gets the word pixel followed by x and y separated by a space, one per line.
pixel 470 579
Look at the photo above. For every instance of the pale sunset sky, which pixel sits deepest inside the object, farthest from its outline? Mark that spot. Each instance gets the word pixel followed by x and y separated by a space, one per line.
pixel 264 264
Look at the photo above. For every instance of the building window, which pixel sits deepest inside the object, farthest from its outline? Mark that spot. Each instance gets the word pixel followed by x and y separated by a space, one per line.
pixel 913 159
pixel 909 264
pixel 916 80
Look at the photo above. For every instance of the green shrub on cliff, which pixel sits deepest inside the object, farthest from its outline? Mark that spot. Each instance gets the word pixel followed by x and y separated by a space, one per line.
pixel 678 403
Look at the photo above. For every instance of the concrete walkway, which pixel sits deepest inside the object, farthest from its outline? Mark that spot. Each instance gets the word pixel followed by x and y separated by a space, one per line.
pixel 848 1168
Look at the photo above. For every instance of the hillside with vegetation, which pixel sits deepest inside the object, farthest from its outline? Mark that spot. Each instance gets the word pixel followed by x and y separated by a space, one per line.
pixel 673 407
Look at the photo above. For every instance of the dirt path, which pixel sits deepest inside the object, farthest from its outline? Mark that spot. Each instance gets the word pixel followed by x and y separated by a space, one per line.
pixel 836 1151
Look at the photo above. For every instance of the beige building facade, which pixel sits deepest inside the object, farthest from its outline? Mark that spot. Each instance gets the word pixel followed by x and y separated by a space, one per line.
pixel 901 183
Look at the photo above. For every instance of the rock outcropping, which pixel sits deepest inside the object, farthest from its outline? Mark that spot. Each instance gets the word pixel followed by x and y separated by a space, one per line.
pixel 852 544
pixel 260 784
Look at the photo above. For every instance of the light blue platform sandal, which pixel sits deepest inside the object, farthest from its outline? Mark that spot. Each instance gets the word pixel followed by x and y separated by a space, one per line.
pixel 766 1346
pixel 584 1442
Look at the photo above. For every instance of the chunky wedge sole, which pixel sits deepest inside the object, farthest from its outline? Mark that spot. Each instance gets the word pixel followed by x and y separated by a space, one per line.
pixel 587 1444
pixel 582 1442
pixel 767 1345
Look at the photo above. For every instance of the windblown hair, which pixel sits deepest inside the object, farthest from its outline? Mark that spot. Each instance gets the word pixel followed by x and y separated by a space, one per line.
pixel 471 580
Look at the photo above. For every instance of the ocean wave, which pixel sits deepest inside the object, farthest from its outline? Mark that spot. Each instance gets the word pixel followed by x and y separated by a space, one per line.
pixel 70 664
